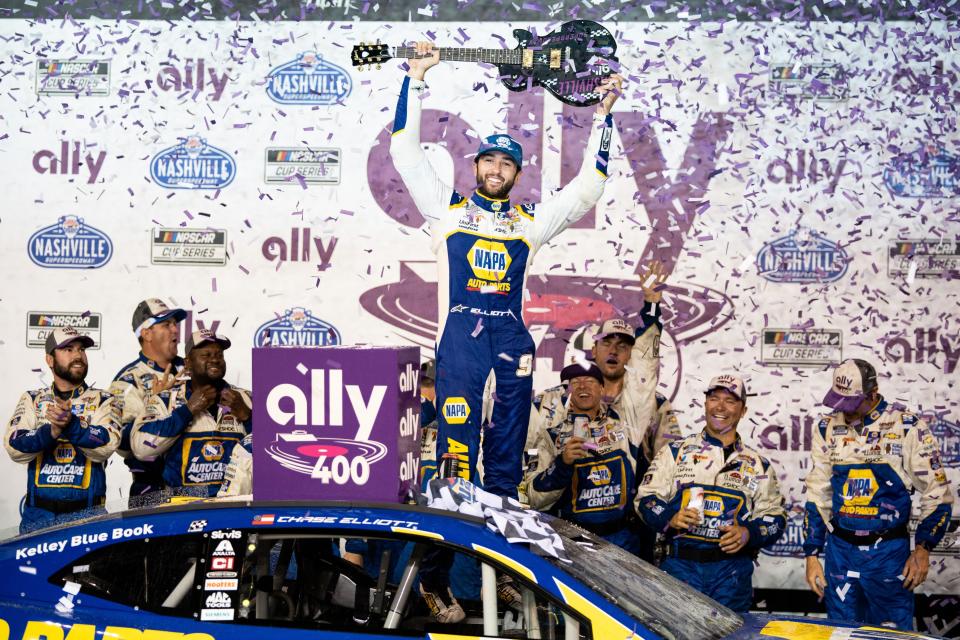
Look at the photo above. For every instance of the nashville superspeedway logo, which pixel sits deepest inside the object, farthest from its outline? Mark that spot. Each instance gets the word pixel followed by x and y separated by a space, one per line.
pixel 858 492
pixel 489 261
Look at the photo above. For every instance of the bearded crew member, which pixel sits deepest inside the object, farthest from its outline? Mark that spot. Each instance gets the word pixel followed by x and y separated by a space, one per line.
pixel 196 424
pixel 586 464
pixel 716 499
pixel 156 327
pixel 64 433
pixel 484 245
pixel 868 458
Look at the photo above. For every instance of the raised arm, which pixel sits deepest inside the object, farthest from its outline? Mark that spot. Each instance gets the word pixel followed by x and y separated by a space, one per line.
pixel 429 193
pixel 579 195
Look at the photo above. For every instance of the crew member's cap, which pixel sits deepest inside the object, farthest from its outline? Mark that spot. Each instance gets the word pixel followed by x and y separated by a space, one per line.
pixel 853 380
pixel 62 336
pixel 504 144
pixel 728 382
pixel 152 311
pixel 205 336
pixel 429 370
pixel 577 370
pixel 616 327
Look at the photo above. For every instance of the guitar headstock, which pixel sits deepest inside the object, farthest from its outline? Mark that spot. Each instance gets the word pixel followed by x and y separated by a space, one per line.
pixel 367 54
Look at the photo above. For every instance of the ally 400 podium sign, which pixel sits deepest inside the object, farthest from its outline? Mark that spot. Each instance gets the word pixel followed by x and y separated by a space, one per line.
pixel 336 423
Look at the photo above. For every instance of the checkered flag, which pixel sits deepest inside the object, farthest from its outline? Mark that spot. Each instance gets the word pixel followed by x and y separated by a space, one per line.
pixel 503 515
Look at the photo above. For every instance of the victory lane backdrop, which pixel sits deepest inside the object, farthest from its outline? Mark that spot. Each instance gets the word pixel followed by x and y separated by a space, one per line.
pixel 799 181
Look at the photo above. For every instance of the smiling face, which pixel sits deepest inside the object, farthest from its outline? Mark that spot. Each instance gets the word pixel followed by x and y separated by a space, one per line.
pixel 160 340
pixel 723 411
pixel 206 363
pixel 496 173
pixel 585 393
pixel 612 354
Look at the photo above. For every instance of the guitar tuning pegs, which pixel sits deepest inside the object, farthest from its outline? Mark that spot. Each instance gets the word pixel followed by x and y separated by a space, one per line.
pixel 378 67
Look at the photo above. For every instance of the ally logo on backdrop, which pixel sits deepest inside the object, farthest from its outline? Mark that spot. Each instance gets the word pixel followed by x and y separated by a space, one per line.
pixel 297 327
pixel 193 164
pixel 309 79
pixel 70 244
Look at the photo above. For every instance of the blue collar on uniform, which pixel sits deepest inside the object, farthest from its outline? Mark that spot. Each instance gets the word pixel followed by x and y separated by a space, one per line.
pixel 177 363
pixel 490 204
pixel 76 393
pixel 709 439
pixel 874 414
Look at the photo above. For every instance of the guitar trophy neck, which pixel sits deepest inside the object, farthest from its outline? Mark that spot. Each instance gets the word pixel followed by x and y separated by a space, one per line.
pixel 453 54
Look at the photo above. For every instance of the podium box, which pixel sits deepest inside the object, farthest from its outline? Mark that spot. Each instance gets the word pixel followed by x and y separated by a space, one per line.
pixel 336 423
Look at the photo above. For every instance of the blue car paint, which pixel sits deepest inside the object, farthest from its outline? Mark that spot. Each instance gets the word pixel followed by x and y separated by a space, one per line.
pixel 28 561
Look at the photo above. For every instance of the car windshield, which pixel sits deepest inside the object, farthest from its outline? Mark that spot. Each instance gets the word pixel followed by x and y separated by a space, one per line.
pixel 657 600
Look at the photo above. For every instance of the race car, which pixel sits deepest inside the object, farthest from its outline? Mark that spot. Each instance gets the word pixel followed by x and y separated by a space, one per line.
pixel 214 569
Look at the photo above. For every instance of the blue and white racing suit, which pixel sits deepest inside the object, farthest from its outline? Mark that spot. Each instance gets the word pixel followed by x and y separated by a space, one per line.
pixel 195 448
pixel 860 483
pixel 739 487
pixel 484 249
pixel 595 492
pixel 131 386
pixel 65 474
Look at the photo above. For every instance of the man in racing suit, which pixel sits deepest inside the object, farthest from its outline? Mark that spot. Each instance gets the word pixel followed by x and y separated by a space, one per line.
pixel 196 424
pixel 868 457
pixel 156 327
pixel 629 360
pixel 485 244
pixel 586 463
pixel 64 433
pixel 717 500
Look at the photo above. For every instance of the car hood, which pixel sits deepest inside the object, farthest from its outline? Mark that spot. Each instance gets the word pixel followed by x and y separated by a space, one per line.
pixel 763 627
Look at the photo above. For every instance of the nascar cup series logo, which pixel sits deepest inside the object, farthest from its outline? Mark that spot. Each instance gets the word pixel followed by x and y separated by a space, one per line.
pixel 337 460
pixel 308 80
pixel 802 256
pixel 297 327
pixel 193 164
pixel 73 77
pixel 70 244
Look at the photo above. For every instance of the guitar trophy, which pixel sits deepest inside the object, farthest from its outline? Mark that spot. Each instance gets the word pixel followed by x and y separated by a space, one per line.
pixel 569 63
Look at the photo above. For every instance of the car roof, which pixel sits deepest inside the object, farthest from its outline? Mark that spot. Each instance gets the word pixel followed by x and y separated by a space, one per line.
pixel 186 504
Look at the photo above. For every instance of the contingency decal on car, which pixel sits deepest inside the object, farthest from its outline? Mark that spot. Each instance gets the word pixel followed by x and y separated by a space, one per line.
pixel 220 580
pixel 824 631
pixel 604 625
